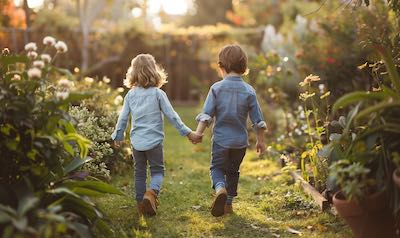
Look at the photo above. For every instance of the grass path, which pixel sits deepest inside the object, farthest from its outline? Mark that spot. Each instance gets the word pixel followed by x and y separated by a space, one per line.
pixel 268 205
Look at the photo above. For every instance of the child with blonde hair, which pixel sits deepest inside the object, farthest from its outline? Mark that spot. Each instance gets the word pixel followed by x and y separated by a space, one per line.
pixel 147 104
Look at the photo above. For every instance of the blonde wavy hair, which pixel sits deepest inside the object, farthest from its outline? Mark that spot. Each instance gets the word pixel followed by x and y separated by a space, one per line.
pixel 145 72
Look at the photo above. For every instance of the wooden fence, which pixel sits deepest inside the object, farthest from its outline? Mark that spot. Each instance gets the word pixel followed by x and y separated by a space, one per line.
pixel 188 73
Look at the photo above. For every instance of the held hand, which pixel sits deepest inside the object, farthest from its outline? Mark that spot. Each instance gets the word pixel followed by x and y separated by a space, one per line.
pixel 195 138
pixel 118 143
pixel 260 148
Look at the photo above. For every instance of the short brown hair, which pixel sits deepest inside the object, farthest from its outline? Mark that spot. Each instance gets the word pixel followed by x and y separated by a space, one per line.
pixel 144 72
pixel 232 58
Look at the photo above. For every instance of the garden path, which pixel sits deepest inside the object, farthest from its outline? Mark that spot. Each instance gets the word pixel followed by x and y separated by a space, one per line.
pixel 269 204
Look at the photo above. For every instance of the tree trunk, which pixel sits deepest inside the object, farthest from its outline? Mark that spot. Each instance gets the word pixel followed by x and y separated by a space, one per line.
pixel 27 14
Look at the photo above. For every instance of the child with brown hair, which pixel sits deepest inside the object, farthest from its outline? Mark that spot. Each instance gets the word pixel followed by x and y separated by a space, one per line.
pixel 147 104
pixel 230 101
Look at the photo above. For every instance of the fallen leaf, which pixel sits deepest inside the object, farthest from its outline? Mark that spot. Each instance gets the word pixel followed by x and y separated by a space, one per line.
pixel 293 231
pixel 276 235
pixel 196 207
pixel 254 226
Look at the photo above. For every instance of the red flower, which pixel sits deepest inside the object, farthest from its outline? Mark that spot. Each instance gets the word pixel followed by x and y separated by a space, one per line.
pixel 330 60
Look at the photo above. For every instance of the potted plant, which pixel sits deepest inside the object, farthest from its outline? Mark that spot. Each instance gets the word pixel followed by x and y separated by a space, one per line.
pixel 362 156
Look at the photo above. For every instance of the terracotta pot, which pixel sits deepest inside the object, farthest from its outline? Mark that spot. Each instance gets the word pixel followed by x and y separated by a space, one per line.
pixel 370 218
pixel 396 177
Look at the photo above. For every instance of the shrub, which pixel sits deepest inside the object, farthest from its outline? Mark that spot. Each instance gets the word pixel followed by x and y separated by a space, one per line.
pixel 42 191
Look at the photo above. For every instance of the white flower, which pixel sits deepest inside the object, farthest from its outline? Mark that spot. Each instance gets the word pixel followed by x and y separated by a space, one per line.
pixel 65 83
pixel 298 131
pixel 32 55
pixel 5 51
pixel 49 40
pixel 61 47
pixel 34 73
pixel 16 77
pixel 62 95
pixel 38 64
pixel 106 79
pixel 118 100
pixel 300 108
pixel 302 115
pixel 120 89
pixel 304 127
pixel 31 46
pixel 321 88
pixel 46 58
pixel 89 80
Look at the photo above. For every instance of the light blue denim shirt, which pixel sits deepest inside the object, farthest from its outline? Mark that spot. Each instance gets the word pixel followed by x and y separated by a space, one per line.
pixel 231 101
pixel 147 107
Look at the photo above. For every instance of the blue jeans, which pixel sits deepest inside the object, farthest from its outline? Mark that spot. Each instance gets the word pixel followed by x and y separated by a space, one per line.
pixel 225 164
pixel 155 158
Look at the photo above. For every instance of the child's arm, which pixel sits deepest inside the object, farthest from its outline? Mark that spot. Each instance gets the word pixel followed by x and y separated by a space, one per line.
pixel 259 124
pixel 206 117
pixel 118 134
pixel 173 117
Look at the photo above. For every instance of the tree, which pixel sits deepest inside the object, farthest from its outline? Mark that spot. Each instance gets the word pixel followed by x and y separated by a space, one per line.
pixel 87 10
pixel 209 12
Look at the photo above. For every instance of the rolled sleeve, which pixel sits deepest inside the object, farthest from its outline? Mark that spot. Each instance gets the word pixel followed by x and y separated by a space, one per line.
pixel 202 117
pixel 260 125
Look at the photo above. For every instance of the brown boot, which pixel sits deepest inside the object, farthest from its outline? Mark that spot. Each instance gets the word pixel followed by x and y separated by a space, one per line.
pixel 140 208
pixel 150 202
pixel 228 209
pixel 218 205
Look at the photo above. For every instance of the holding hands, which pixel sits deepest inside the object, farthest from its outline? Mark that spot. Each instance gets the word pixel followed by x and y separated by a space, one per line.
pixel 195 137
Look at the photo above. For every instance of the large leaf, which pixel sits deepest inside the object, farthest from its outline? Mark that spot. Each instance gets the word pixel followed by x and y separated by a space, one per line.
pixel 377 107
pixel 81 229
pixel 390 66
pixel 76 163
pixel 104 228
pixel 93 185
pixel 358 96
pixel 26 204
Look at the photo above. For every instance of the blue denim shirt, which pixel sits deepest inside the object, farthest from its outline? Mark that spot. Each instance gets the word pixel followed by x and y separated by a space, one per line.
pixel 147 107
pixel 231 101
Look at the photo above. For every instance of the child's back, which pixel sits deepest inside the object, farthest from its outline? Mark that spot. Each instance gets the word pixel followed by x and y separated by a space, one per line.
pixel 148 106
pixel 235 100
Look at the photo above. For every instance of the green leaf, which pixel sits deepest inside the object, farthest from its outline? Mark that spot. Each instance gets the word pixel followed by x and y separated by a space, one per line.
pixel 76 163
pixel 21 223
pixel 87 192
pixel 81 229
pixel 357 96
pixel 4 217
pixel 377 107
pixel 390 66
pixel 104 228
pixel 26 204
pixel 63 190
pixel 94 185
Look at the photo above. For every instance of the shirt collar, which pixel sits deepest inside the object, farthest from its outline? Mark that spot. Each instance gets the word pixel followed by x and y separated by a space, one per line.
pixel 233 78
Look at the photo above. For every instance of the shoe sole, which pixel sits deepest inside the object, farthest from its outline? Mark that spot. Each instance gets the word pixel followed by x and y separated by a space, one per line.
pixel 218 207
pixel 148 208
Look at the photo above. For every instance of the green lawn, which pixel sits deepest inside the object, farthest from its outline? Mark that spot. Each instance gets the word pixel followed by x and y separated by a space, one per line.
pixel 268 205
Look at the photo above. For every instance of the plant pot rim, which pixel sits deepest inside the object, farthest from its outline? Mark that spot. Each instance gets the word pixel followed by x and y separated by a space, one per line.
pixel 337 195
